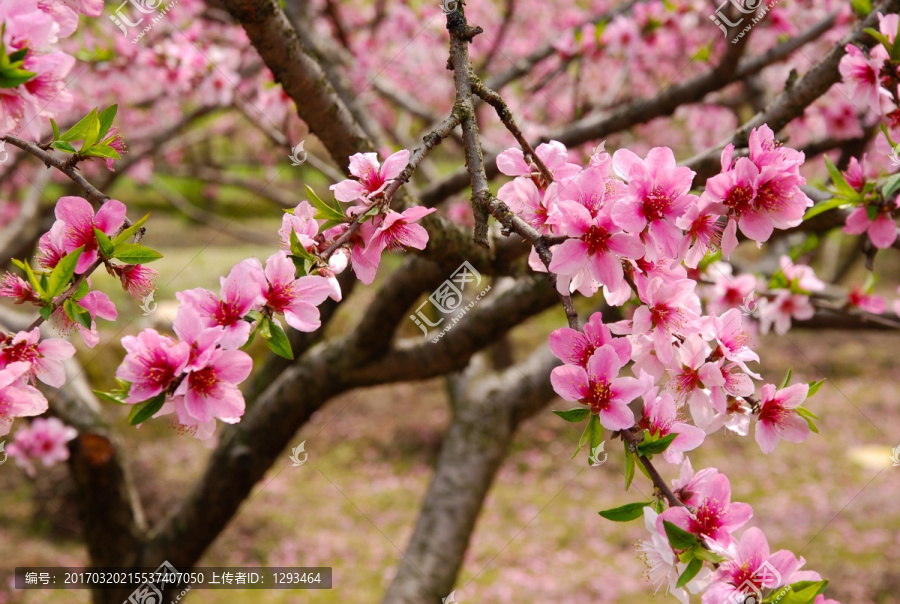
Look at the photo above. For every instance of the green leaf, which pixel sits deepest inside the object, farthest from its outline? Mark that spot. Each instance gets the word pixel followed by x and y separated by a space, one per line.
pixel 11 77
pixel 814 387
pixel 130 231
pixel 81 129
pixel 880 37
pixel 297 248
pixel 802 592
pixel 62 273
pixel 141 412
pixel 574 415
pixel 92 134
pixel 111 397
pixel 838 180
pixel 596 431
pixel 325 211
pixel 690 572
pixel 585 437
pixel 887 135
pixel 277 340
pixel 77 314
pixel 656 446
pixel 106 119
pixel 134 253
pixel 82 290
pixel 891 185
pixel 629 466
pixel 862 8
pixel 32 278
pixel 627 512
pixel 17 57
pixel 101 150
pixel 46 312
pixel 106 246
pixel 702 553
pixel 808 416
pixel 787 378
pixel 678 537
pixel 55 129
pixel 63 146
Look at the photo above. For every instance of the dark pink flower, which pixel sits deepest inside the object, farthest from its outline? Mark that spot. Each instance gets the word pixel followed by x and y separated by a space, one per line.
pixel 882 231
pixel 211 391
pixel 138 280
pixel 17 398
pixel 576 347
pixel 296 299
pixel 371 176
pixel 97 304
pixel 44 357
pixel 152 364
pixel 394 231
pixel 778 417
pixel 45 440
pixel 716 516
pixel 17 288
pixel 77 215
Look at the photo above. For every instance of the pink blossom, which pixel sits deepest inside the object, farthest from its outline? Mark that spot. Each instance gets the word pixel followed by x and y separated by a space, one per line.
pixel 692 488
pixel 152 364
pixel 44 357
pixel 241 291
pixel 668 308
pixel 394 231
pixel 856 173
pixel 692 374
pixel 372 176
pixel 52 245
pixel 597 246
pixel 658 194
pixel 868 302
pixel 554 155
pixel 663 566
pixel 882 231
pixel 138 280
pixel 598 387
pixel 45 440
pixel 117 143
pixel 862 76
pixel 17 398
pixel 778 417
pixel 97 304
pixel 576 347
pixel 17 288
pixel 716 516
pixel 525 199
pixel 701 223
pixel 800 276
pixel 211 391
pixel 296 299
pixel 77 215
pixel 751 569
pixel 781 309
pixel 728 331
pixel 660 417
pixel 302 223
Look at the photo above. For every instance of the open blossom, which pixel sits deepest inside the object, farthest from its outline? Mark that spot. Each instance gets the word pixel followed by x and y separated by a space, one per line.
pixel 690 487
pixel 45 357
pixel 241 291
pixel 658 194
pixel 302 223
pixel 211 391
pixel 716 516
pixel 97 304
pixel 296 299
pixel 152 364
pixel 701 224
pixel 660 417
pixel 862 76
pixel 751 568
pixel 372 177
pixel 863 300
pixel 393 231
pixel 17 398
pixel 778 417
pixel 554 155
pixel 77 216
pixel 44 440
pixel 598 387
pixel 576 347
pixel 882 231
pixel 526 200
pixel 663 566
pixel 692 374
pixel 668 308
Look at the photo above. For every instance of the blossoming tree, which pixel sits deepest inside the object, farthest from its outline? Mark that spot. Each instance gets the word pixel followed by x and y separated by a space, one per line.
pixel 662 360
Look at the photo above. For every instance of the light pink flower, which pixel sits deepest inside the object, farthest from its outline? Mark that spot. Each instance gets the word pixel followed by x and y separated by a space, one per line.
pixel 97 304
pixel 395 231
pixel 296 299
pixel 780 310
pixel 554 155
pixel 701 224
pixel 882 231
pixel 599 388
pixel 44 357
pixel 862 76
pixel 372 176
pixel 212 391
pixel 660 417
pixel 77 215
pixel 576 347
pixel 863 300
pixel 692 488
pixel 45 440
pixel 716 516
pixel 152 364
pixel 138 280
pixel 525 199
pixel 17 398
pixel 301 221
pixel 778 417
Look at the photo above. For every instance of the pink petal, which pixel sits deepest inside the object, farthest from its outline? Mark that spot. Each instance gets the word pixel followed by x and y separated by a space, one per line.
pixel 348 190
pixel 570 382
pixel 883 232
pixel 616 416
pixel 110 217
pixel 395 164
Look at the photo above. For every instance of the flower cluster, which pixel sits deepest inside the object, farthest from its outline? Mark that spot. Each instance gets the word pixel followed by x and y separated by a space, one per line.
pixel 44 440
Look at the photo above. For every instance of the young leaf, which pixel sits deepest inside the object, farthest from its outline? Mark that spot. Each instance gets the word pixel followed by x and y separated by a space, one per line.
pixel 574 415
pixel 657 446
pixel 63 146
pixel 808 416
pixel 101 150
pixel 325 211
pixel 55 129
pixel 596 431
pixel 840 183
pixel 802 592
pixel 629 466
pixel 77 314
pixel 278 341
pixel 814 387
pixel 690 572
pixel 585 437
pixel 891 185
pixel 106 246
pixel 627 512
pixel 111 397
pixel 106 119
pixel 880 37
pixel 62 273
pixel 678 537
pixel 819 208
pixel 787 378
pixel 130 231
pixel 134 253
pixel 141 412
pixel 82 129
pixel 32 278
